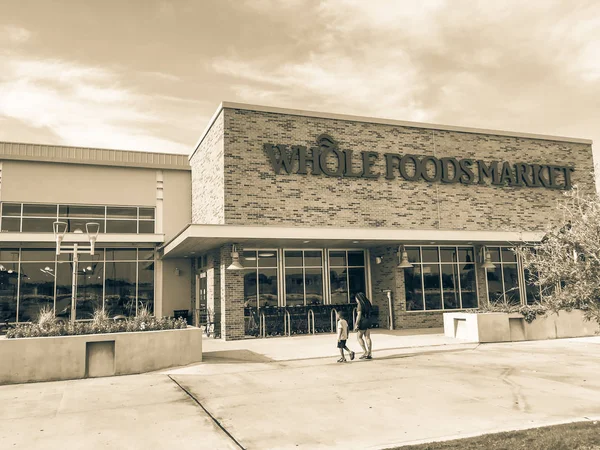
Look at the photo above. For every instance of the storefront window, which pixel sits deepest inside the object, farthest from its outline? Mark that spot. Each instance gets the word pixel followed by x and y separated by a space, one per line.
pixel 442 278
pixel 260 278
pixel 303 277
pixel 39 218
pixel 45 280
pixel 503 281
pixel 346 275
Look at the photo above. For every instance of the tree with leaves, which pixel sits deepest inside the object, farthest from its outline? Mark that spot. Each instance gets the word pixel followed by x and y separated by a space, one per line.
pixel 566 263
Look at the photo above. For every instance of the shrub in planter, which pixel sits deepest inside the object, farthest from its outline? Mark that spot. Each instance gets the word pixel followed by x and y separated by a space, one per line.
pixel 48 325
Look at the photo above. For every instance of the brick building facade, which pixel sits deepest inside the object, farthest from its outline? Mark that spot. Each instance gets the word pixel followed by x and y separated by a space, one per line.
pixel 286 180
pixel 279 217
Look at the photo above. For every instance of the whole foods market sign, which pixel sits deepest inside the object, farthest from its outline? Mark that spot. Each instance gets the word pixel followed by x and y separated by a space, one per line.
pixel 327 159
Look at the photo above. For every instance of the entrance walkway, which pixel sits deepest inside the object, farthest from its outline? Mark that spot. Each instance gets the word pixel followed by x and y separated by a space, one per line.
pixel 385 344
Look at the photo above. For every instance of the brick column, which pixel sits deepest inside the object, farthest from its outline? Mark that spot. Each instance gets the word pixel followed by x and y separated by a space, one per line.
pixel 232 296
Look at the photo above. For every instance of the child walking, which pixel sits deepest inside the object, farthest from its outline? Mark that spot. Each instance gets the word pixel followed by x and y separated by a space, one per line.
pixel 342 335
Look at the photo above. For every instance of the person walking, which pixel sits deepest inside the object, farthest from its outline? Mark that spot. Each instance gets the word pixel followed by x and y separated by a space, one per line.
pixel 363 324
pixel 342 335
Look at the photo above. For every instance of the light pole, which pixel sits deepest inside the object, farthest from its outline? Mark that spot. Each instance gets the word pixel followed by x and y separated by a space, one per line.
pixel 60 229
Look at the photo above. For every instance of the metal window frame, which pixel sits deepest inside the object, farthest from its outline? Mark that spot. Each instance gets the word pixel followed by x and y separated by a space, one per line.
pixel 137 262
pixel 347 267
pixel 137 219
pixel 303 267
pixel 439 263
pixel 256 269
pixel 501 263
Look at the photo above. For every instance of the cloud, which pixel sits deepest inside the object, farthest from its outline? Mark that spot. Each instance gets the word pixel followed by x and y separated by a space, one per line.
pixel 84 106
pixel 14 34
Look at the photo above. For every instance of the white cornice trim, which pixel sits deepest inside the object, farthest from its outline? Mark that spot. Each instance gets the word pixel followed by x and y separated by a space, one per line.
pixel 232 233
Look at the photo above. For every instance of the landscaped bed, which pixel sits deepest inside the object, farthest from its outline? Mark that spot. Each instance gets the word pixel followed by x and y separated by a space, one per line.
pixel 573 436
pixel 48 325
pixel 54 350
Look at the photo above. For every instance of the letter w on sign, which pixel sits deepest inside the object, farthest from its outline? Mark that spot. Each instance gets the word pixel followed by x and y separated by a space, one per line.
pixel 281 157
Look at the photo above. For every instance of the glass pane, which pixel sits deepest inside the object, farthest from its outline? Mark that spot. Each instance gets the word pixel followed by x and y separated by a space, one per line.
pixel 293 258
pixel 9 254
pixel 37 290
pixel 121 226
pixel 337 259
pixel 250 296
pixel 494 253
pixel 33 254
pixel 8 293
pixel 413 288
pixel 495 290
pixel 113 254
pixel 121 213
pixel 11 209
pixel 64 277
pixel 146 285
pixel 508 255
pixel 448 254
pixel 433 293
pixel 267 258
pixel 466 255
pixel 314 286
pixel 120 289
pixel 249 258
pixel 430 254
pixel 95 212
pixel 31 225
pixel 74 224
pixel 146 254
pixel 90 277
pixel 339 286
pixel 468 286
pixel 511 284
pixel 146 213
pixel 267 287
pixel 313 258
pixel 294 286
pixel 450 286
pixel 357 282
pixel 532 291
pixel 356 258
pixel 11 225
pixel 414 255
pixel 146 226
pixel 39 210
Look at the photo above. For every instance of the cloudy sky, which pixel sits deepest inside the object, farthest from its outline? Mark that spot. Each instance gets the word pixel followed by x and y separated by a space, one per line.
pixel 147 75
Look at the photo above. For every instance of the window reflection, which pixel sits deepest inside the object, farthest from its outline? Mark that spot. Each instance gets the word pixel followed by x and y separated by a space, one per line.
pixel 445 280
pixel 8 292
pixel 120 294
pixel 37 289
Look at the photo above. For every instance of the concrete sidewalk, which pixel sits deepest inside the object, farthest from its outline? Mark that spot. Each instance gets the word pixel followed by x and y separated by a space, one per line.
pixel 313 403
pixel 385 344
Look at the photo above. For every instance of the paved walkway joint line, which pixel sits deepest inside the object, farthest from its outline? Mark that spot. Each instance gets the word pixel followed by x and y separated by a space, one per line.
pixel 208 413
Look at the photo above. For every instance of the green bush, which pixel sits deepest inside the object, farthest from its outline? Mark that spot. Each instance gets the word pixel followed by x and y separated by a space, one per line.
pixel 48 325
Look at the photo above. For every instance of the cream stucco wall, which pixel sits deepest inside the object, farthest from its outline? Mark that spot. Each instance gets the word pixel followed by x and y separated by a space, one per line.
pixel 177 203
pixel 38 182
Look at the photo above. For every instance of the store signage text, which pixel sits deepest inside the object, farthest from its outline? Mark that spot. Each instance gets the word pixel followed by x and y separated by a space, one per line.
pixel 327 159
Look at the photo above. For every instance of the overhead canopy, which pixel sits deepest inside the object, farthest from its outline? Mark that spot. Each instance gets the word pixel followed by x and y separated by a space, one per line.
pixel 200 238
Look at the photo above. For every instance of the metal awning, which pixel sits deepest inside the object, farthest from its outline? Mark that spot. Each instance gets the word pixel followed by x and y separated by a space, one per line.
pixel 195 239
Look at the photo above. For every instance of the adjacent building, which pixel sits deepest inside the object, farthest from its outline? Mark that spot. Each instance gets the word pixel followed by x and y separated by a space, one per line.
pixel 279 215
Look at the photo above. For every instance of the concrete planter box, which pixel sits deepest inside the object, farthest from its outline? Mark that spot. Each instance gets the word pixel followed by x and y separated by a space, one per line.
pixel 97 355
pixel 510 327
